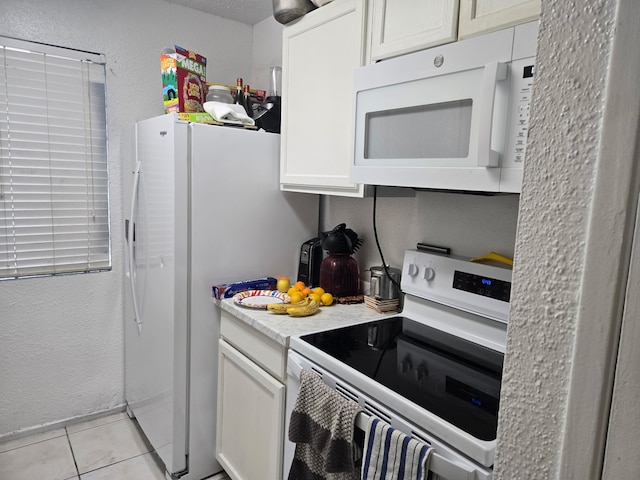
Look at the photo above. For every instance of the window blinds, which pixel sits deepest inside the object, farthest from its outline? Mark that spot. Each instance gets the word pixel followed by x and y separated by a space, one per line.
pixel 54 211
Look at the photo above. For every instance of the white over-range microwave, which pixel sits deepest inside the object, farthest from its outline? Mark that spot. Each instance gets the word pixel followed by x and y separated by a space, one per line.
pixel 453 117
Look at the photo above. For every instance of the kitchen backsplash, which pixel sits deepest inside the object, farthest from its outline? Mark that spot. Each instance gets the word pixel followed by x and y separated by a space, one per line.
pixel 471 225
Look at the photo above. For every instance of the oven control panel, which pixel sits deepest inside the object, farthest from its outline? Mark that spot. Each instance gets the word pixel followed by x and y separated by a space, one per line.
pixel 457 282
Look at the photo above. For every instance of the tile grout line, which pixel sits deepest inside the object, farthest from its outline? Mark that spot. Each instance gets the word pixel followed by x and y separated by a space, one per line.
pixel 29 444
pixel 73 455
pixel 114 463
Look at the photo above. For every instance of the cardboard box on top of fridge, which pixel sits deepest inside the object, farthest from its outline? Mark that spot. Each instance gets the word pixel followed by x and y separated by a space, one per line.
pixel 184 74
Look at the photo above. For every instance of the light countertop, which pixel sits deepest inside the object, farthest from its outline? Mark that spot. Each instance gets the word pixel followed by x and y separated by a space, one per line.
pixel 281 327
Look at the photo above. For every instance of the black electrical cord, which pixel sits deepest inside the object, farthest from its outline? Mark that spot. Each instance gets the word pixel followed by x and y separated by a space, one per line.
pixel 375 235
pixel 375 371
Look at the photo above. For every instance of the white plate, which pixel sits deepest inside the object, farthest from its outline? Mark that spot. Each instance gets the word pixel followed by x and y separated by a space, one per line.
pixel 259 298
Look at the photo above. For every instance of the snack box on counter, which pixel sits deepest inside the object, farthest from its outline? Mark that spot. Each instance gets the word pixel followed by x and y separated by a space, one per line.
pixel 228 290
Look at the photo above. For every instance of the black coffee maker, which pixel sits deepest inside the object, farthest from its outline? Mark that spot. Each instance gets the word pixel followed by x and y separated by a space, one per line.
pixel 339 272
pixel 267 114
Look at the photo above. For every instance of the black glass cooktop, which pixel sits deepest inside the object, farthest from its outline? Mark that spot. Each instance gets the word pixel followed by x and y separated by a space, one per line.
pixel 451 377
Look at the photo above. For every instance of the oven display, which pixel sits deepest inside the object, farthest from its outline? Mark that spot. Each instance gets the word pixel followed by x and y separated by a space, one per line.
pixel 479 285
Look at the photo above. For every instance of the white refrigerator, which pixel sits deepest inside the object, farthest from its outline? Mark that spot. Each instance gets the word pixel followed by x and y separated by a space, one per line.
pixel 206 209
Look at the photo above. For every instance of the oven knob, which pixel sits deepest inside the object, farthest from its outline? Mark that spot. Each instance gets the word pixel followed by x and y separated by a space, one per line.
pixel 405 365
pixel 420 373
pixel 429 274
pixel 412 270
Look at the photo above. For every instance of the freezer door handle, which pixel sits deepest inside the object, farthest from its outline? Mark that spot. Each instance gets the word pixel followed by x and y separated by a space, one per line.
pixel 126 230
pixel 130 235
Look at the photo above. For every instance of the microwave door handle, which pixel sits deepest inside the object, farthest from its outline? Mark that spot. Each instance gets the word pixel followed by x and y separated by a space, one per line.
pixel 493 73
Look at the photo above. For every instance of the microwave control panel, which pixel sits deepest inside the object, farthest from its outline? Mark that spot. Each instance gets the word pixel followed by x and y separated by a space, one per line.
pixel 525 82
pixel 522 72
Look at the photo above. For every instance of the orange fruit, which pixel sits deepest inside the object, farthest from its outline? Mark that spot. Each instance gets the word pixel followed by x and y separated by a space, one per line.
pixel 327 299
pixel 307 291
pixel 296 297
pixel 300 285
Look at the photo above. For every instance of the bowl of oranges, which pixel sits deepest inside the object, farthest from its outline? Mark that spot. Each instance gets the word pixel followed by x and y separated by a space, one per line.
pixel 299 291
pixel 304 300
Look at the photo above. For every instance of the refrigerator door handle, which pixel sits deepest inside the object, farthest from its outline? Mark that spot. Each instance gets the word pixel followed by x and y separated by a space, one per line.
pixel 131 241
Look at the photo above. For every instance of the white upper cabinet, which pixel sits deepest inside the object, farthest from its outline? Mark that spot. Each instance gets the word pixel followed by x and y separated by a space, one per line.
pixel 482 16
pixel 320 53
pixel 403 26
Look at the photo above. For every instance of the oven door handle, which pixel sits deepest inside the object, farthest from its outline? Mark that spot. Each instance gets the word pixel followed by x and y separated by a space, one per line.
pixel 447 469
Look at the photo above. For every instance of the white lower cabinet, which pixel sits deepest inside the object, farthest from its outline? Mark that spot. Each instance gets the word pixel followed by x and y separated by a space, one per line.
pixel 251 403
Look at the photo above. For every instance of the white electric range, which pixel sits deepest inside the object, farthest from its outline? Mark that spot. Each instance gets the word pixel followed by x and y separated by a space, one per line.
pixel 432 371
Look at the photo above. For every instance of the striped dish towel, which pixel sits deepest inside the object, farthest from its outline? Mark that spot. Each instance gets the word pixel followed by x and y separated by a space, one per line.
pixel 391 455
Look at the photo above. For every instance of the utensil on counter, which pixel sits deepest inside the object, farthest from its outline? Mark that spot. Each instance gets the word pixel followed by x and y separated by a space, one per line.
pixel 339 272
pixel 384 286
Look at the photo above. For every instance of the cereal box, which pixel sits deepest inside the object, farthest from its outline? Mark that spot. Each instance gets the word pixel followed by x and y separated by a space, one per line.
pixel 184 75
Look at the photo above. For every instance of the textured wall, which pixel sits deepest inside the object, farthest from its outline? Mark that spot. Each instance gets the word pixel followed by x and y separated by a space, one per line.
pixel 267 51
pixel 61 346
pixel 555 207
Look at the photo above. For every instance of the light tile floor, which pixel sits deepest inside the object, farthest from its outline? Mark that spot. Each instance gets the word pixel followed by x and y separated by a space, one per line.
pixel 110 447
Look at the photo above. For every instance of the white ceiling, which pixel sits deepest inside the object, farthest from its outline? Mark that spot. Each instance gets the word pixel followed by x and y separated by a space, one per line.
pixel 249 12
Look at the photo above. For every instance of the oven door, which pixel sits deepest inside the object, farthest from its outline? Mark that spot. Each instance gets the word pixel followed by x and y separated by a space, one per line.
pixel 436 118
pixel 445 463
